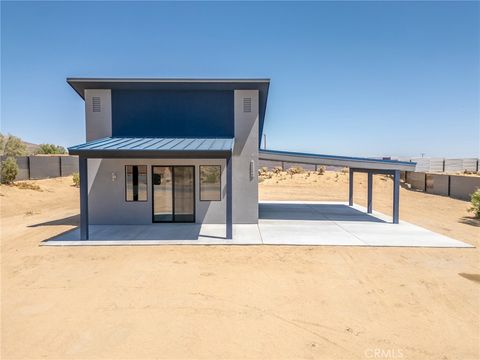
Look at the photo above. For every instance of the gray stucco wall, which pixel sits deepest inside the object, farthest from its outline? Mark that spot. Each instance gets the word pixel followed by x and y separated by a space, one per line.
pixel 437 184
pixel 68 165
pixel 461 187
pixel 106 198
pixel 23 168
pixel 107 203
pixel 98 124
pixel 245 186
pixel 42 167
pixel 417 180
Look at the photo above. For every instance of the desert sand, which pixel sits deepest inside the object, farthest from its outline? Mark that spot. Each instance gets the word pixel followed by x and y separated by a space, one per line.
pixel 237 302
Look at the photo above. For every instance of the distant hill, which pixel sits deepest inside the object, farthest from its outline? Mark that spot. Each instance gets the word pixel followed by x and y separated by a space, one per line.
pixel 31 148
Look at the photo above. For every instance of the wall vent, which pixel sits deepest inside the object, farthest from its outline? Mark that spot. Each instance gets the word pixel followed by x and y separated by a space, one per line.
pixel 96 104
pixel 247 105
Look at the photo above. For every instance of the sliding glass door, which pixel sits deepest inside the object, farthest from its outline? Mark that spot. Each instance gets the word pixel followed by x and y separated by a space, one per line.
pixel 173 193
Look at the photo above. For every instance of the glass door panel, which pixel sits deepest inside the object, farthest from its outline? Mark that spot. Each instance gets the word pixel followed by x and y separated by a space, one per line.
pixel 184 193
pixel 162 193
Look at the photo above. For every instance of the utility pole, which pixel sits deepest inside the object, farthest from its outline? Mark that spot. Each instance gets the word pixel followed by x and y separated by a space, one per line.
pixel 264 141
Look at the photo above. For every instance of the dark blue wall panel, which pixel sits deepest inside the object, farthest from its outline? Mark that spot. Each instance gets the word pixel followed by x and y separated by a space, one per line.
pixel 172 113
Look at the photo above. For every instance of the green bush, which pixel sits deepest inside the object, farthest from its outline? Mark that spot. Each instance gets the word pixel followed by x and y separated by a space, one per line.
pixel 76 179
pixel 9 170
pixel 14 146
pixel 475 200
pixel 50 149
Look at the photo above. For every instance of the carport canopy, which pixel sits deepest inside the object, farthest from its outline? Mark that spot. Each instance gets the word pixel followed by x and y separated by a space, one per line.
pixel 355 164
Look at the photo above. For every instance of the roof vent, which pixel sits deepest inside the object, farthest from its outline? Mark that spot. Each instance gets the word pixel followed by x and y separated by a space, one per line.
pixel 96 104
pixel 247 104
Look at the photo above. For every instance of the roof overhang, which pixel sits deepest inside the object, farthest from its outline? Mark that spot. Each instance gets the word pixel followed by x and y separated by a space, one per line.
pixel 333 160
pixel 141 148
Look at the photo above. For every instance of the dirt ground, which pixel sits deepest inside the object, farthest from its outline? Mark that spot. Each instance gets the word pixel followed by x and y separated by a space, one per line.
pixel 237 302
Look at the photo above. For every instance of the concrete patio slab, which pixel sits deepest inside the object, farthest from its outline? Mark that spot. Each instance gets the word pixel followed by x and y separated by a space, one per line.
pixel 161 234
pixel 281 223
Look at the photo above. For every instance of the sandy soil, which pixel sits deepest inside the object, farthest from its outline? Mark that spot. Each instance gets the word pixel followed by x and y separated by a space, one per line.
pixel 253 302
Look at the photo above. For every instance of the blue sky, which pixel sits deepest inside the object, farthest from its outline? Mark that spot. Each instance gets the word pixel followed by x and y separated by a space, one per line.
pixel 359 78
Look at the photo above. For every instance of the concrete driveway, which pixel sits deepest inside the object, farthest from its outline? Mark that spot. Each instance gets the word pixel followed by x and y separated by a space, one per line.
pixel 280 223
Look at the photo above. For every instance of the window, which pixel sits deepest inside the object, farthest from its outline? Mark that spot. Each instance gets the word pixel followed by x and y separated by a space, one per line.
pixel 210 185
pixel 136 183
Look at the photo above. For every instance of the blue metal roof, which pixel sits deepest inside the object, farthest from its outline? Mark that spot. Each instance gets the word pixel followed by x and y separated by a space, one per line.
pixel 349 161
pixel 135 146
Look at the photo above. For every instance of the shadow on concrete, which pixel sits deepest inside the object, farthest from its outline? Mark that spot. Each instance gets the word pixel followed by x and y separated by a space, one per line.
pixel 63 234
pixel 313 212
pixel 155 232
pixel 70 220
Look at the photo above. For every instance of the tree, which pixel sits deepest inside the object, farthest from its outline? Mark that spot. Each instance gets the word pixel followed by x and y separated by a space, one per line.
pixel 2 143
pixel 14 146
pixel 9 170
pixel 50 149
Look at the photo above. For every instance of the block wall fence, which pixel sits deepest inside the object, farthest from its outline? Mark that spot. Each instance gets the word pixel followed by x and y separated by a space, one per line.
pixel 43 167
pixel 456 186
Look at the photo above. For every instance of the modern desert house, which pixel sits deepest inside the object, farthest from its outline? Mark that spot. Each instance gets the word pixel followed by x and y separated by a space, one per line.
pixel 182 150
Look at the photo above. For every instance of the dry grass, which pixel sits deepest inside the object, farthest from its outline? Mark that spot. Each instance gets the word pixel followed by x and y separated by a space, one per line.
pixel 24 185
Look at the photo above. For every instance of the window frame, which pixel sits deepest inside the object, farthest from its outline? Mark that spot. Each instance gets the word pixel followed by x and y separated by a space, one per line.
pixel 200 182
pixel 146 184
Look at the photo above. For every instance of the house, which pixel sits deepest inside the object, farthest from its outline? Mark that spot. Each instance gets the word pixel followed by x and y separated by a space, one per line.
pixel 182 150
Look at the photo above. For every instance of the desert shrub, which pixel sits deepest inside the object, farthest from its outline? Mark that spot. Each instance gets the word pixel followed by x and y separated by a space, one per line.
pixel 263 170
pixel 76 179
pixel 50 149
pixel 321 170
pixel 345 170
pixel 277 170
pixel 295 170
pixel 28 186
pixel 475 201
pixel 14 146
pixel 9 170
